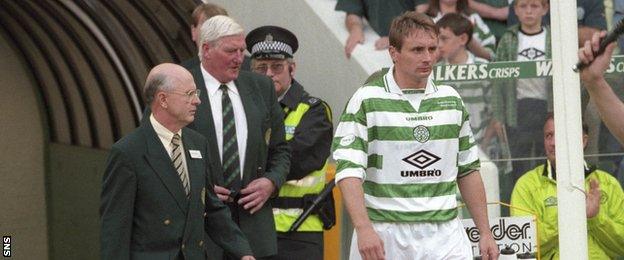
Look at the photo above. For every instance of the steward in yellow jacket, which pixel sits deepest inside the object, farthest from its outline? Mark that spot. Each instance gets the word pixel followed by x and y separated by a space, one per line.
pixel 536 191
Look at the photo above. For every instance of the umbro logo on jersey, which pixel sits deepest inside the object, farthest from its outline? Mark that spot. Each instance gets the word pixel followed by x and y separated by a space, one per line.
pixel 421 159
pixel 419 118
pixel 532 53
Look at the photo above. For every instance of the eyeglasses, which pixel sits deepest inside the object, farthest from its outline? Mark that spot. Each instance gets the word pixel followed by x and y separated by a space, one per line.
pixel 275 68
pixel 189 94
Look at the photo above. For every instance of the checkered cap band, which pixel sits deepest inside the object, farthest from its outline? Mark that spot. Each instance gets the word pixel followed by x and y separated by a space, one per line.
pixel 272 46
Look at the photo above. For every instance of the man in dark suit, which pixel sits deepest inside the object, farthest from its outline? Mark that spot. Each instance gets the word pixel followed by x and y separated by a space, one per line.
pixel 155 203
pixel 243 123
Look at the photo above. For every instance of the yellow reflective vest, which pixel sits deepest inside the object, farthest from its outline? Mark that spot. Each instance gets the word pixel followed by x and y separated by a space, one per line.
pixel 311 184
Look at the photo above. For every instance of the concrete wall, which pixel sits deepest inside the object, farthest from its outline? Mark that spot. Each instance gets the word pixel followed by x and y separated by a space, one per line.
pixel 22 162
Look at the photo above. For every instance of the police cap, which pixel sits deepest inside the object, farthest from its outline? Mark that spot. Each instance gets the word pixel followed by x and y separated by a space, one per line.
pixel 271 42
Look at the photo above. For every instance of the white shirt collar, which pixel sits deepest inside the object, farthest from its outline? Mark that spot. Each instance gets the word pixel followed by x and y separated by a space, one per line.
pixel 212 84
pixel 392 86
pixel 163 133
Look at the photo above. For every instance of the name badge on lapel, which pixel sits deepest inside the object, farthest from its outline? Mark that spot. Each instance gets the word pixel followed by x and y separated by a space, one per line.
pixel 195 154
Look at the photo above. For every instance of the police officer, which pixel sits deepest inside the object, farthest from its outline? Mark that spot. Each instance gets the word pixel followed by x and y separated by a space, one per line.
pixel 309 133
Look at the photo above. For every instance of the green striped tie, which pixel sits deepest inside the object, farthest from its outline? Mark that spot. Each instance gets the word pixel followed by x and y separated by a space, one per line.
pixel 230 159
pixel 176 157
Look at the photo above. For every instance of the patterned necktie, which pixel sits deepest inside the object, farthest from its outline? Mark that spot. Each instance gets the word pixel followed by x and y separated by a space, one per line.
pixel 230 159
pixel 176 157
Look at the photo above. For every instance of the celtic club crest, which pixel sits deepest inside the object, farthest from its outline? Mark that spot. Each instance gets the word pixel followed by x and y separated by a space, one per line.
pixel 421 133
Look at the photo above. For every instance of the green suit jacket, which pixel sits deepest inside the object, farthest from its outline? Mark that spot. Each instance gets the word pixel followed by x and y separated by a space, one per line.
pixel 144 211
pixel 267 155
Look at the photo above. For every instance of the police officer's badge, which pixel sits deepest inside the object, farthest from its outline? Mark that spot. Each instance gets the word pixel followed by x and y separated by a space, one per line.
pixel 268 39
pixel 421 133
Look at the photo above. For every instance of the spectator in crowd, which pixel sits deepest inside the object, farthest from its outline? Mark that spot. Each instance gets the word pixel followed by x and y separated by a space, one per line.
pixel 455 34
pixel 200 14
pixel 244 125
pixel 494 13
pixel 590 17
pixel 521 105
pixel 378 13
pixel 402 148
pixel 483 42
pixel 156 200
pixel 309 134
pixel 536 191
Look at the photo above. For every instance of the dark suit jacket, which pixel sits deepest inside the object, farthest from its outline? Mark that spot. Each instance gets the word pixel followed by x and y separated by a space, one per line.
pixel 144 211
pixel 267 155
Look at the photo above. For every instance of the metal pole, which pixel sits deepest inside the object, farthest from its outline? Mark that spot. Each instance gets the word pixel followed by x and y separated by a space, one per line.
pixel 567 107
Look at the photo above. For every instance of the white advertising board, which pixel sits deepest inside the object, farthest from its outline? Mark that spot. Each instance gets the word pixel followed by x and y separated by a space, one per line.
pixel 519 233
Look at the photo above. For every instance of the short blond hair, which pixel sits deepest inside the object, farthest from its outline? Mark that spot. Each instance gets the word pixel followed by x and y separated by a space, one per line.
pixel 544 2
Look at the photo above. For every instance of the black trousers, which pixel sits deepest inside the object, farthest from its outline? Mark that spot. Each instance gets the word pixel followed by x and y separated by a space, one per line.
pixel 299 246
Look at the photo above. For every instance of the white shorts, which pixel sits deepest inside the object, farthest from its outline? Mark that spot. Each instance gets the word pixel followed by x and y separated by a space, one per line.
pixel 430 240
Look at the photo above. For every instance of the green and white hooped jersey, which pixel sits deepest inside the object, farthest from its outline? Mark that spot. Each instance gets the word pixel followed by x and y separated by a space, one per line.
pixel 409 159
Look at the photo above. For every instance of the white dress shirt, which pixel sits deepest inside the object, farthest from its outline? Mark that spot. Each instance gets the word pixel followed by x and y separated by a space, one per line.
pixel 165 137
pixel 240 120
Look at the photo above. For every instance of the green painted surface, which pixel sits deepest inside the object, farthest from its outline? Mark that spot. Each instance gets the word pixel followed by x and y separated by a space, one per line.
pixel 73 189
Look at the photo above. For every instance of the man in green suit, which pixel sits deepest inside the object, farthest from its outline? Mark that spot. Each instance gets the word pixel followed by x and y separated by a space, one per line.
pixel 244 125
pixel 155 203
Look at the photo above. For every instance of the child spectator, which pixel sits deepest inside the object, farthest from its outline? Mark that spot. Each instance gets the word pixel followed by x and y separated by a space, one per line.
pixel 455 34
pixel 521 105
pixel 483 41
pixel 590 15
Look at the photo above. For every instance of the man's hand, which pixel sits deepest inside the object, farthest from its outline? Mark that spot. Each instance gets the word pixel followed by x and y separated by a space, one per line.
pixel 382 43
pixel 369 244
pixel 222 193
pixel 488 247
pixel 594 72
pixel 494 129
pixel 356 37
pixel 256 194
pixel 592 203
pixel 248 257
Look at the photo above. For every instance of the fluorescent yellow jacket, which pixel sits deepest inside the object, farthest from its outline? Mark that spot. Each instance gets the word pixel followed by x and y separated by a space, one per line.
pixel 308 132
pixel 536 191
